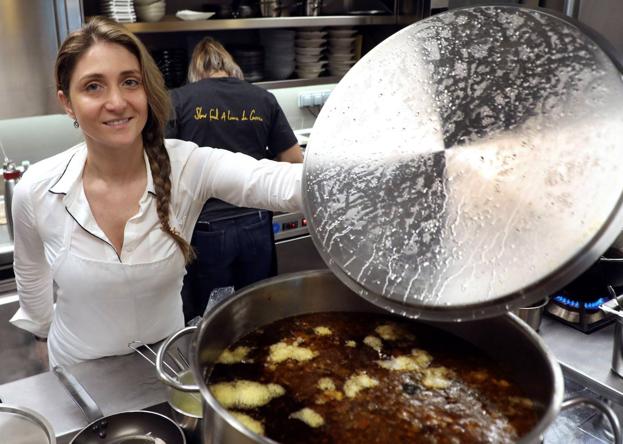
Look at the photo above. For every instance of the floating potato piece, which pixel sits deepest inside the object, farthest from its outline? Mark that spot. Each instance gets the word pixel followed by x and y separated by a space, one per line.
pixel 524 402
pixel 399 363
pixel 235 356
pixel 436 378
pixel 422 357
pixel 325 384
pixel 417 360
pixel 479 375
pixel 282 351
pixel 356 383
pixel 393 332
pixel 244 394
pixel 502 383
pixel 373 342
pixel 323 331
pixel 309 417
pixel 351 344
pixel 330 395
pixel 250 423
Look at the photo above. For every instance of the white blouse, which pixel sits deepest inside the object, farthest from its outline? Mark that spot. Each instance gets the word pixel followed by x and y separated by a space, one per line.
pixel 50 196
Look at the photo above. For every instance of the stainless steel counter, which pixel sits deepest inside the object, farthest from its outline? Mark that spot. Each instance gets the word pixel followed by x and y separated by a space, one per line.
pixel 6 246
pixel 585 358
pixel 116 384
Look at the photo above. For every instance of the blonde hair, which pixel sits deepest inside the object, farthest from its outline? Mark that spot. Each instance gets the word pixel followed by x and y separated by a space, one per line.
pixel 209 56
pixel 100 29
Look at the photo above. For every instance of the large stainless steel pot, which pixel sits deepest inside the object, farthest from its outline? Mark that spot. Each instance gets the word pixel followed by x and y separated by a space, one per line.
pixel 506 338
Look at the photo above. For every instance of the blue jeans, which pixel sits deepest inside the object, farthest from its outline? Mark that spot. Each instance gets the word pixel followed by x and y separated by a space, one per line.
pixel 230 252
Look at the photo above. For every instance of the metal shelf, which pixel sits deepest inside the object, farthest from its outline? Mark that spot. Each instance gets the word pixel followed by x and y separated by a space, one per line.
pixel 289 83
pixel 172 24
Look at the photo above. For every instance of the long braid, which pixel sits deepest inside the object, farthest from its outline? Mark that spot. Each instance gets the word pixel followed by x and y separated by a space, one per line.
pixel 161 171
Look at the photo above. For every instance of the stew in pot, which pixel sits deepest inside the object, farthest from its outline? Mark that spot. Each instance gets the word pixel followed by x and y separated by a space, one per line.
pixel 367 378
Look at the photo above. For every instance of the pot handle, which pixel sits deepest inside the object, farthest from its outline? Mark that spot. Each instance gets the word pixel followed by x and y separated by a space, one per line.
pixel 86 403
pixel 162 352
pixel 603 408
pixel 611 259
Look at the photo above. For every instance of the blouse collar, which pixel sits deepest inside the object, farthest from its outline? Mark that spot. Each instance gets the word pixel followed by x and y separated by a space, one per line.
pixel 71 178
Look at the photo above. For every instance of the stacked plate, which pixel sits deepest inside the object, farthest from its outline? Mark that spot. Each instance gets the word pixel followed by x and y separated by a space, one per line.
pixel 250 59
pixel 121 11
pixel 149 10
pixel 310 46
pixel 341 50
pixel 173 64
pixel 279 53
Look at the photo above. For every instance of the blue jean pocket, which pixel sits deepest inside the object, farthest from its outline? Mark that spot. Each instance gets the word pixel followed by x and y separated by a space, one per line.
pixel 210 246
pixel 256 238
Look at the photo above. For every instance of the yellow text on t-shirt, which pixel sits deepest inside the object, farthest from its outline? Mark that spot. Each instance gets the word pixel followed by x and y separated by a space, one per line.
pixel 216 114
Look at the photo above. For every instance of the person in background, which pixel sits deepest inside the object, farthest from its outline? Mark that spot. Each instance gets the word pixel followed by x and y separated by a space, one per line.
pixel 109 220
pixel 234 245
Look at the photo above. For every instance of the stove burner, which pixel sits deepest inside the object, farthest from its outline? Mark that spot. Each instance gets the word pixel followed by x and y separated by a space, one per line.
pixel 584 315
pixel 575 304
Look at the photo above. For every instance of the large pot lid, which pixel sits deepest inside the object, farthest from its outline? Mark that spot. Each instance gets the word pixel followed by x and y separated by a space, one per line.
pixel 470 164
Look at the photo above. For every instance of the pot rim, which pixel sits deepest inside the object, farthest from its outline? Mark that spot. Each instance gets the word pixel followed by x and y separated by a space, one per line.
pixel 33 416
pixel 553 410
pixel 548 416
pixel 182 412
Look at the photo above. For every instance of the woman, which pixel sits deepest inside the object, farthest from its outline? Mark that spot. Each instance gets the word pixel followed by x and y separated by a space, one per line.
pixel 235 246
pixel 108 221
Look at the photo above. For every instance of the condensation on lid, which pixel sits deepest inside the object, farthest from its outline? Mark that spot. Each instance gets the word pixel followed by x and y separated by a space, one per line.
pixel 469 164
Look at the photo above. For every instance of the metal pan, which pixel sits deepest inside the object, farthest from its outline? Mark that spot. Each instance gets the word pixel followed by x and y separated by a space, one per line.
pixel 131 427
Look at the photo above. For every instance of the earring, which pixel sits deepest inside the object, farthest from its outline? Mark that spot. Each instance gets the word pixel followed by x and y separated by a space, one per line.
pixel 76 124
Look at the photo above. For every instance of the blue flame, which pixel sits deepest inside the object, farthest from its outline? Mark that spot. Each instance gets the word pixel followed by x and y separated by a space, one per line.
pixel 576 304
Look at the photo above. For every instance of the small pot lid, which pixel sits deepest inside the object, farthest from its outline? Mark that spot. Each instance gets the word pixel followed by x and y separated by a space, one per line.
pixel 19 425
pixel 470 164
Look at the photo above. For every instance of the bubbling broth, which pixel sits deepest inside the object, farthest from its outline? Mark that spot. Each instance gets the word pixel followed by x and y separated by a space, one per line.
pixel 367 378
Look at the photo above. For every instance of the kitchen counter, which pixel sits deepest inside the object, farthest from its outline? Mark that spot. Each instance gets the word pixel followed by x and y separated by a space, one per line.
pixel 116 384
pixel 584 358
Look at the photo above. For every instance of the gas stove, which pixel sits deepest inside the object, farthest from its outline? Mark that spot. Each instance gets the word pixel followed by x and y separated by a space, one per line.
pixel 582 313
pixel 578 304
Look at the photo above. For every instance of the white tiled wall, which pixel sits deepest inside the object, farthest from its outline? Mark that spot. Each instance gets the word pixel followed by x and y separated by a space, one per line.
pixel 35 138
pixel 299 118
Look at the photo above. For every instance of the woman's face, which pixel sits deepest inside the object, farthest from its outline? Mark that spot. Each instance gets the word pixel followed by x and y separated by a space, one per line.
pixel 107 98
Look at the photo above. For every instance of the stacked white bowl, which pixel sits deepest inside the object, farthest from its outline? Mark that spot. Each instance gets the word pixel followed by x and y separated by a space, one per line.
pixel 149 10
pixel 121 11
pixel 341 50
pixel 310 46
pixel 279 53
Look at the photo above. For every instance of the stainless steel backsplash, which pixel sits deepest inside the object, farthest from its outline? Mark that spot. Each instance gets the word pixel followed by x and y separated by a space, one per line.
pixel 30 32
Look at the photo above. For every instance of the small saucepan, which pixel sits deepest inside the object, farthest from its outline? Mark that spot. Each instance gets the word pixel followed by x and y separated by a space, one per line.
pixel 186 407
pixel 136 427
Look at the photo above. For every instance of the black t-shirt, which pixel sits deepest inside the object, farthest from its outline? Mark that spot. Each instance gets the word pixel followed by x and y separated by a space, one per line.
pixel 233 114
